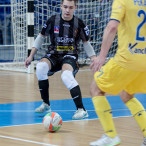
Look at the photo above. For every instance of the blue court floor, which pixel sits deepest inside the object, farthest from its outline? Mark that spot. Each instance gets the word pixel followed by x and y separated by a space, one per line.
pixel 23 113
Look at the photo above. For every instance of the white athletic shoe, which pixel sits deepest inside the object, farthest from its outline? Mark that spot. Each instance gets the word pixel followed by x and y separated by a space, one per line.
pixel 106 141
pixel 80 114
pixel 144 142
pixel 43 108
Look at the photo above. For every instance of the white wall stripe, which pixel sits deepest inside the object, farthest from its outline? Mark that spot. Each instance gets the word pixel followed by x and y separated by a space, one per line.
pixel 30 18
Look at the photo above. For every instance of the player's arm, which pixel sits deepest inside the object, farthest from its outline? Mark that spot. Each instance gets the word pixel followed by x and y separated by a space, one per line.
pixel 86 43
pixel 89 50
pixel 36 45
pixel 38 42
pixel 108 37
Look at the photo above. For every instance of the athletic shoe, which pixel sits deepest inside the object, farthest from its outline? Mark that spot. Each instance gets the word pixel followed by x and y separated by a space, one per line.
pixel 106 141
pixel 144 142
pixel 80 114
pixel 44 107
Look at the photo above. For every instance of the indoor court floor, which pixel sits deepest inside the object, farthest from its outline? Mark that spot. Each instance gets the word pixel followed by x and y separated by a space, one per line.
pixel 20 125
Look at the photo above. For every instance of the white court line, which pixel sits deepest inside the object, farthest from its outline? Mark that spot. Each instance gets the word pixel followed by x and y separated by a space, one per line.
pixel 63 121
pixel 12 74
pixel 21 73
pixel 24 140
pixel 84 69
pixel 25 111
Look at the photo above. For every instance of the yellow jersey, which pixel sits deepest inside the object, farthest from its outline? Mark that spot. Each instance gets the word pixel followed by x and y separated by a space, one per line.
pixel 131 14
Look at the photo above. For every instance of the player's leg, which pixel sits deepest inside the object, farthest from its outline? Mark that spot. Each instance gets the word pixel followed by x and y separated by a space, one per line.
pixel 42 69
pixel 103 110
pixel 69 69
pixel 137 110
pixel 107 80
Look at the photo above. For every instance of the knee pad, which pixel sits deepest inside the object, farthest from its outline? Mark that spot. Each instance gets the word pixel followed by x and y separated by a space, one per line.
pixel 68 79
pixel 42 69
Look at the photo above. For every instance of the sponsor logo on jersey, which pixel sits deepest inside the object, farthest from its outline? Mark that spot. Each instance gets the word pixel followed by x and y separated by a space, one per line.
pixel 134 50
pixel 140 2
pixel 67 25
pixel 65 40
pixel 86 30
pixel 56 29
pixel 65 48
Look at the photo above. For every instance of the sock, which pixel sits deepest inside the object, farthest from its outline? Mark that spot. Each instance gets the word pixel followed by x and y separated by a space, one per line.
pixel 103 110
pixel 138 112
pixel 44 90
pixel 77 97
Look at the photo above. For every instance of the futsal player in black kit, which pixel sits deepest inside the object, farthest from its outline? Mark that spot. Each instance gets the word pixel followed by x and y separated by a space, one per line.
pixel 65 31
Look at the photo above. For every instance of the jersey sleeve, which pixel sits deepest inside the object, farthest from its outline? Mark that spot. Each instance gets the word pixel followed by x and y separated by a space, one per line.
pixel 118 10
pixel 47 27
pixel 84 33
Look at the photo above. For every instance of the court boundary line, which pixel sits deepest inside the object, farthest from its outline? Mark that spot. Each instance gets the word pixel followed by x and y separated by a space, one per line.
pixel 53 110
pixel 11 73
pixel 65 121
pixel 24 140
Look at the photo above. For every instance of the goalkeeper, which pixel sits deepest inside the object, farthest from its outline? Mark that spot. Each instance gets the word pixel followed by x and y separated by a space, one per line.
pixel 65 31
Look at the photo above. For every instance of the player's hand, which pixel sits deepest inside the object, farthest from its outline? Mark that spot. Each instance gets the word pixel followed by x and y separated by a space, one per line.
pixel 93 57
pixel 97 64
pixel 28 61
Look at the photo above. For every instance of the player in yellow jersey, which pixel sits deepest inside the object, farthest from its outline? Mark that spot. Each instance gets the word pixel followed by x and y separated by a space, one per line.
pixel 126 72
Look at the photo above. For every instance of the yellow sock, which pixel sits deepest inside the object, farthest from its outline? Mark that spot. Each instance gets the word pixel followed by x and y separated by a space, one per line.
pixel 138 112
pixel 103 110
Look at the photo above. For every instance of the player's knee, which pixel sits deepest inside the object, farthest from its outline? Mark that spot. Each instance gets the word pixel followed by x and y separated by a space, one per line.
pixel 68 79
pixel 95 91
pixel 125 96
pixel 42 69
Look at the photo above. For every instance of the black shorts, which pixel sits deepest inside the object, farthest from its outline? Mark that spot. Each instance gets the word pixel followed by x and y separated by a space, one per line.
pixel 57 62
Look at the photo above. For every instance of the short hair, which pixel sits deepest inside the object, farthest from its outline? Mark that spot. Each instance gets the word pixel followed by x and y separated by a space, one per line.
pixel 75 1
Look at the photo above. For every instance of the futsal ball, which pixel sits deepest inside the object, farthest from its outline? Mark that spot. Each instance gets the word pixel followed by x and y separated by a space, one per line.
pixel 52 121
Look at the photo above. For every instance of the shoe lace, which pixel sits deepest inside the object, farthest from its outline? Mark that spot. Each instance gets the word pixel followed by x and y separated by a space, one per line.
pixel 76 112
pixel 79 110
pixel 42 105
pixel 104 139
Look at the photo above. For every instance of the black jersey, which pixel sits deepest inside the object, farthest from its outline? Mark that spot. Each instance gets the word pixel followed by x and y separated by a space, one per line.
pixel 65 35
